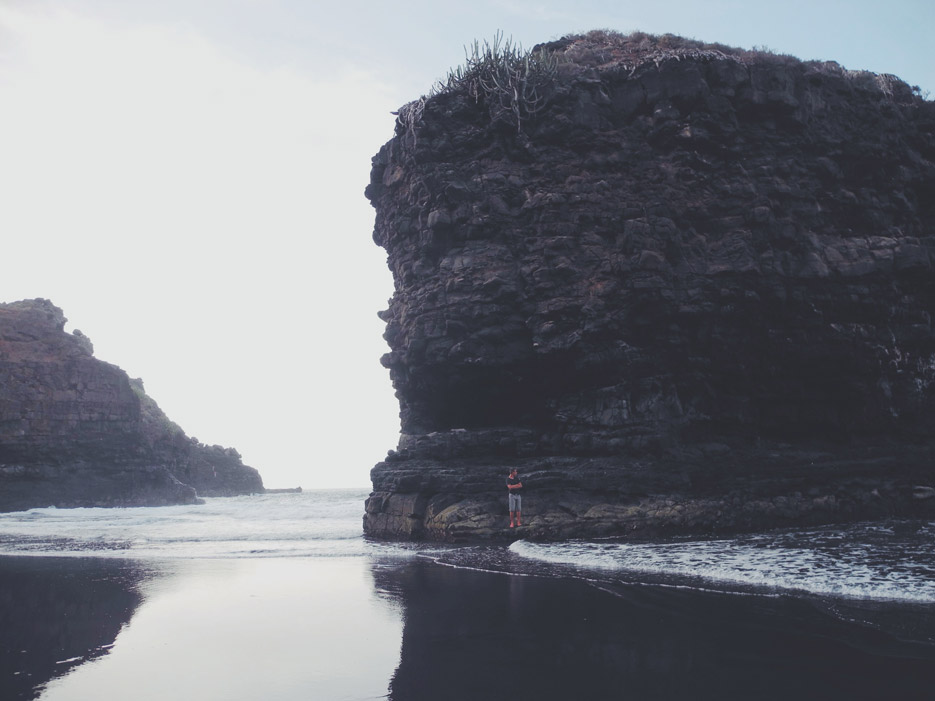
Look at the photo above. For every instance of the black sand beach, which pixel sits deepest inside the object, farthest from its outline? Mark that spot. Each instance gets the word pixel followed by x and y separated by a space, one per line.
pixel 410 629
pixel 478 635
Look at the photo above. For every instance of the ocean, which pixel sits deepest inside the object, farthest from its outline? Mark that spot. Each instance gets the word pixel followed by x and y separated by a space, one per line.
pixel 869 586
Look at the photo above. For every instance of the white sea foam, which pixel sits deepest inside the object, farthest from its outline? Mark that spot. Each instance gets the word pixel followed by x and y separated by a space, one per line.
pixel 863 561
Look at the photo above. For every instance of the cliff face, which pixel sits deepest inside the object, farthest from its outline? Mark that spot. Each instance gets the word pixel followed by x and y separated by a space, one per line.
pixel 75 431
pixel 682 287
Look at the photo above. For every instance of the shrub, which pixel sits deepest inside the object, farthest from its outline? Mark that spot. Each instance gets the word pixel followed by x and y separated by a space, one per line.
pixel 513 83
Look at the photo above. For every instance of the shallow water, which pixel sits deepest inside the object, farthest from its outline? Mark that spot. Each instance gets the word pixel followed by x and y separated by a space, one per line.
pixel 891 562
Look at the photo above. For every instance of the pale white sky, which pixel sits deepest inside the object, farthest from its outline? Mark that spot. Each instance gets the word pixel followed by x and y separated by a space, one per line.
pixel 185 179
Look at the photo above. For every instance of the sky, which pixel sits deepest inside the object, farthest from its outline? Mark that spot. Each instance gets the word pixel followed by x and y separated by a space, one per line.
pixel 185 178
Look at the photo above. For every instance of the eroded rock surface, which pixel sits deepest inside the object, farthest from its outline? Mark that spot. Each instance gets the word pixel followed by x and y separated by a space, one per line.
pixel 692 293
pixel 76 431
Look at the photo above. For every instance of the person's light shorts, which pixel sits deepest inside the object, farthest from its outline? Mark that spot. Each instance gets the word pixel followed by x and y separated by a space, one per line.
pixel 516 502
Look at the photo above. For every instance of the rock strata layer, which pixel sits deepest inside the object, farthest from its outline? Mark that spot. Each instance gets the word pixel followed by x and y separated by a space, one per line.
pixel 76 431
pixel 690 292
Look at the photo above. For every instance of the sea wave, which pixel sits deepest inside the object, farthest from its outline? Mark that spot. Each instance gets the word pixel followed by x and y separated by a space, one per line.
pixel 890 562
pixel 307 524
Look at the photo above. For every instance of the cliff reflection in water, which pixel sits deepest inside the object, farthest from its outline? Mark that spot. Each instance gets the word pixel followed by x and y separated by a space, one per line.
pixel 471 635
pixel 56 613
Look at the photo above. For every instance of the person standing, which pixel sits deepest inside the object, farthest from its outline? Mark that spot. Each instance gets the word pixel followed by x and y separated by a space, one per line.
pixel 515 486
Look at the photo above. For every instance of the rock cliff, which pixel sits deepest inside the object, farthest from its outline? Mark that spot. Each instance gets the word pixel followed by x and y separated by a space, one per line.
pixel 681 287
pixel 76 431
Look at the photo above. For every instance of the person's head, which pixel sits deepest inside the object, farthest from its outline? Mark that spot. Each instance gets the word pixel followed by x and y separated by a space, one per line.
pixel 513 472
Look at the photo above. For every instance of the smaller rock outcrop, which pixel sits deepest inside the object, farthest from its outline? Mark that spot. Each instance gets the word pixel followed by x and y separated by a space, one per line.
pixel 76 431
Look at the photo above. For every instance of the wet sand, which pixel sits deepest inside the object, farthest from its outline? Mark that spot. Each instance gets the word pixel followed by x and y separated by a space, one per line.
pixel 500 637
pixel 410 629
pixel 236 629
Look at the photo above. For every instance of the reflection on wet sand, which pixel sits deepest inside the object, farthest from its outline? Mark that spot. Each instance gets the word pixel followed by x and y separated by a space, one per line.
pixel 244 629
pixel 474 635
pixel 56 613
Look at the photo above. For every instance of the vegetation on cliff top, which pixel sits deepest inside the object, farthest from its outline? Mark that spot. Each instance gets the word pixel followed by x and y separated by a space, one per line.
pixel 516 83
pixel 154 420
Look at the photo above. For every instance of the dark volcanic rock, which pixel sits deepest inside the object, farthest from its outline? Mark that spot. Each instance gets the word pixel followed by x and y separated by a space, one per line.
pixel 75 431
pixel 691 292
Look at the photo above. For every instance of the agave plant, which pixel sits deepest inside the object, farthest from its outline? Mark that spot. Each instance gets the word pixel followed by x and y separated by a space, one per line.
pixel 513 82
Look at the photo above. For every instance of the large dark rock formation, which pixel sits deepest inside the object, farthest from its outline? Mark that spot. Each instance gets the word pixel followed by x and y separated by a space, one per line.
pixel 688 288
pixel 76 431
